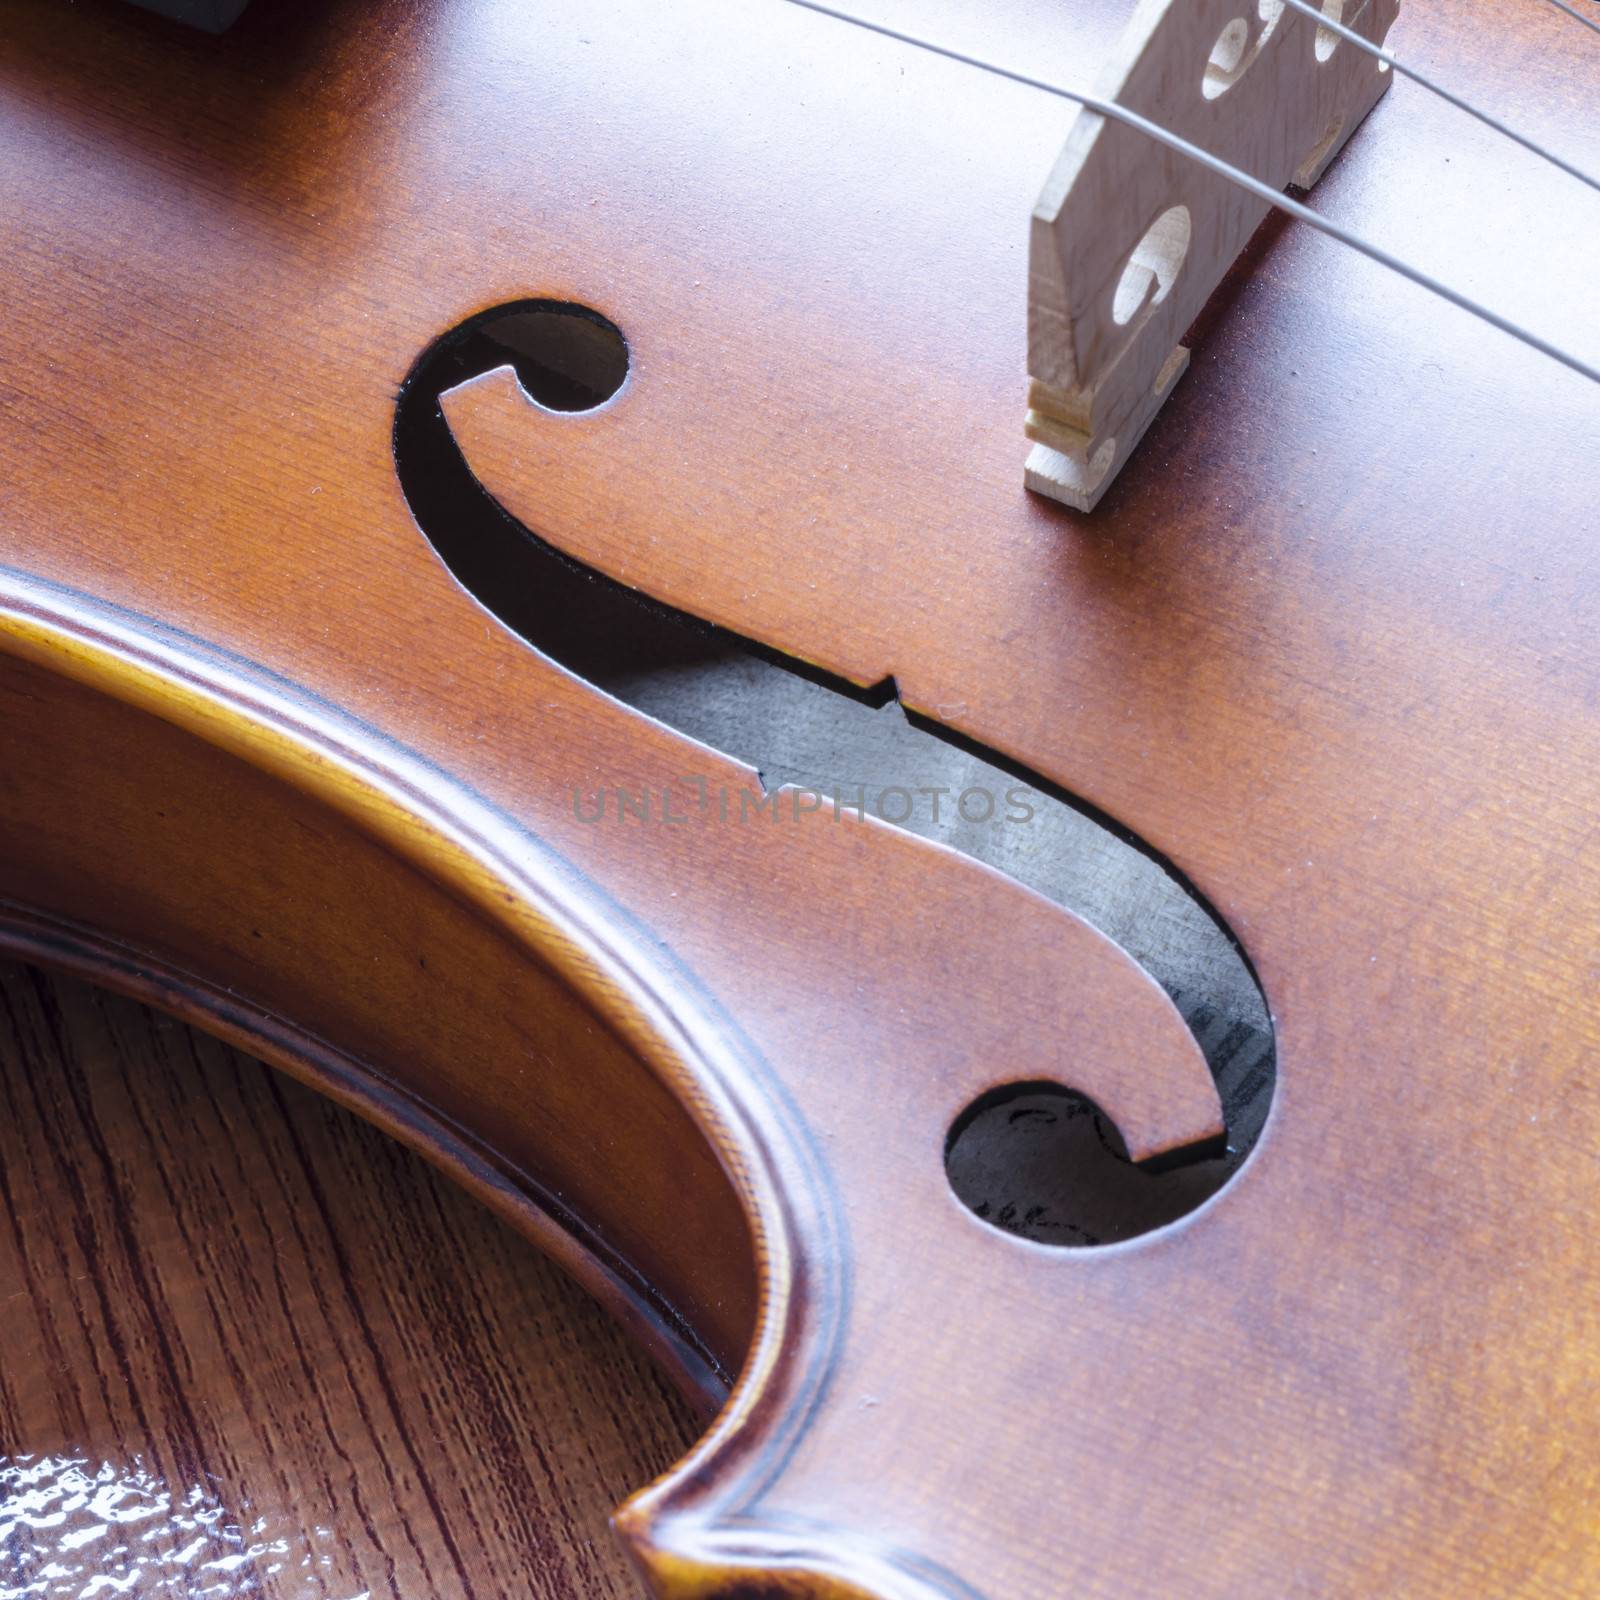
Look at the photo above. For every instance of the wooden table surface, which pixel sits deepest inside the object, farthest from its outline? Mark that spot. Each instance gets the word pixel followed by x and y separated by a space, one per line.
pixel 251 1346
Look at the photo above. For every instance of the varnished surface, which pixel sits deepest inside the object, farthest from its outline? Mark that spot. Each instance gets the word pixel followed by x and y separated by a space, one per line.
pixel 252 1347
pixel 1328 645
pixel 245 897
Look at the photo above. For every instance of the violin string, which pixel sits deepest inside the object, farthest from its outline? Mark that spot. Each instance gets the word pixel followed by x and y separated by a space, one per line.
pixel 1575 14
pixel 1347 31
pixel 1234 175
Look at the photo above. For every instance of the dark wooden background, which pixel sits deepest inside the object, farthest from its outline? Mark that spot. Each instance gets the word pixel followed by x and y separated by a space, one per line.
pixel 249 1346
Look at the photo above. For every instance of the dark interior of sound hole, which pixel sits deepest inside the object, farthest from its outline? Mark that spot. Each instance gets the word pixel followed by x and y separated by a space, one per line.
pixel 1046 1163
pixel 1038 1161
pixel 568 358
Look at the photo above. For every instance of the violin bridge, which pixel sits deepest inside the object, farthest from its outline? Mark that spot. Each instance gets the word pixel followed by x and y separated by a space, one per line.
pixel 1130 238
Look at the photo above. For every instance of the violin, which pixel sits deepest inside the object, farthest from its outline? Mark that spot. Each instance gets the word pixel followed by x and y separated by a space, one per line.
pixel 950 752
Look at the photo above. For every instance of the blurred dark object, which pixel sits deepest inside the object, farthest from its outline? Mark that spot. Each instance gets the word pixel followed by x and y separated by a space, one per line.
pixel 214 16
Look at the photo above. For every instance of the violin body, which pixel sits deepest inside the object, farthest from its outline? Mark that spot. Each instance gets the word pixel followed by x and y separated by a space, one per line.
pixel 1327 648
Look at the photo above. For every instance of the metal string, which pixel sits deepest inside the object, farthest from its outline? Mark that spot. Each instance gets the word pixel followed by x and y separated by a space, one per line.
pixel 1345 31
pixel 1234 175
pixel 1576 15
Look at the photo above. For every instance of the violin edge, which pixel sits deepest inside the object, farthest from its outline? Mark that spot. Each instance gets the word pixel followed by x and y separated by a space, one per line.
pixel 679 1529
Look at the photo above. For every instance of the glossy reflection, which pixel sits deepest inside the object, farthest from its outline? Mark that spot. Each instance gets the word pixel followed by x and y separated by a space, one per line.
pixel 71 1526
pixel 248 1346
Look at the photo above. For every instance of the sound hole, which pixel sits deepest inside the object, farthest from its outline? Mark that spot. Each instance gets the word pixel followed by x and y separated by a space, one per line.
pixel 568 358
pixel 850 747
pixel 1044 1162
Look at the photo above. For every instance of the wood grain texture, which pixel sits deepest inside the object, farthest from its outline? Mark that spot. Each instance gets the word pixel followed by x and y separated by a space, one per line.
pixel 249 893
pixel 253 1347
pixel 1328 645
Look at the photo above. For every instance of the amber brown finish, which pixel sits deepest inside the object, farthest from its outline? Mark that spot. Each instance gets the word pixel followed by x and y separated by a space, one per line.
pixel 1328 644
pixel 444 1027
pixel 295 1360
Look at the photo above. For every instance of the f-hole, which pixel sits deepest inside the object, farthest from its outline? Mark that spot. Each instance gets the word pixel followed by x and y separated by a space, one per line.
pixel 797 725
